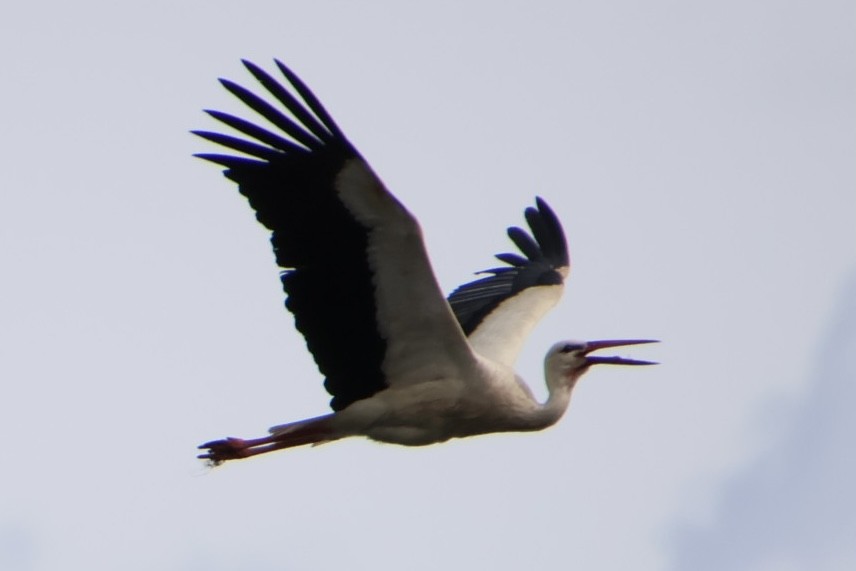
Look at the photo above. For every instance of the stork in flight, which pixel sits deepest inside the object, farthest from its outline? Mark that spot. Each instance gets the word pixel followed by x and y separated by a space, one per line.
pixel 404 364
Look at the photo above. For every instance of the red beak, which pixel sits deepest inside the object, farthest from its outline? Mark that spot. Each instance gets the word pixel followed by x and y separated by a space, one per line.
pixel 597 360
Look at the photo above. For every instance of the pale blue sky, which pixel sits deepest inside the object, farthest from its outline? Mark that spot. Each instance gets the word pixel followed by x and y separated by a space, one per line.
pixel 792 506
pixel 700 155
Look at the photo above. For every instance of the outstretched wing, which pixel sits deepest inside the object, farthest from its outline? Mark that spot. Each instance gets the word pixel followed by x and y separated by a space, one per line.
pixel 498 312
pixel 356 274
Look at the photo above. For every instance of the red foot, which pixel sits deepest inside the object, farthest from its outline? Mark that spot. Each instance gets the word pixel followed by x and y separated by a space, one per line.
pixel 230 449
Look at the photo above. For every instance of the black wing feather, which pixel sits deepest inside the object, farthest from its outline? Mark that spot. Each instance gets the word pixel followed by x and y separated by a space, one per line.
pixel 524 242
pixel 546 252
pixel 240 145
pixel 230 162
pixel 318 244
pixel 272 114
pixel 290 102
pixel 310 99
pixel 512 259
pixel 254 131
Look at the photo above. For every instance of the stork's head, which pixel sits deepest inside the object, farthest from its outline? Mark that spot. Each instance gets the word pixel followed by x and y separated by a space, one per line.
pixel 566 361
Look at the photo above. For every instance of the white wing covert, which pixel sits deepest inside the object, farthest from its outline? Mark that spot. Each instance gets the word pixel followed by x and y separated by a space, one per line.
pixel 498 312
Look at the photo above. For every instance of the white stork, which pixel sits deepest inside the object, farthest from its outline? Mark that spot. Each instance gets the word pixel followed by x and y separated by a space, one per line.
pixel 404 364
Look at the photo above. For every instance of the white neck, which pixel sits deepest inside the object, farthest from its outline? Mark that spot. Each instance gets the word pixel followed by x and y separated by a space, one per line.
pixel 548 413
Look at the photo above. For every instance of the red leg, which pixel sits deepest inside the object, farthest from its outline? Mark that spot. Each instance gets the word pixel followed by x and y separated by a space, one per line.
pixel 219 451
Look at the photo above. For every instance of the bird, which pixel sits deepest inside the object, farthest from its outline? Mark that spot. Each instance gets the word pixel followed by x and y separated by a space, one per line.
pixel 404 364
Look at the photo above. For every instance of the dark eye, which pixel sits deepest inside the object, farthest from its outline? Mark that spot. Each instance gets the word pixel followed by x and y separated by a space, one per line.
pixel 567 348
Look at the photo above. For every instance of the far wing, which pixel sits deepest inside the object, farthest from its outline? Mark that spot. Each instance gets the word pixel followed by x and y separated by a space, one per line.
pixel 499 312
pixel 356 273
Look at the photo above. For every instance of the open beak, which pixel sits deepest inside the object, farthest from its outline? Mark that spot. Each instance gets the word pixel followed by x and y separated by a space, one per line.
pixel 597 360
